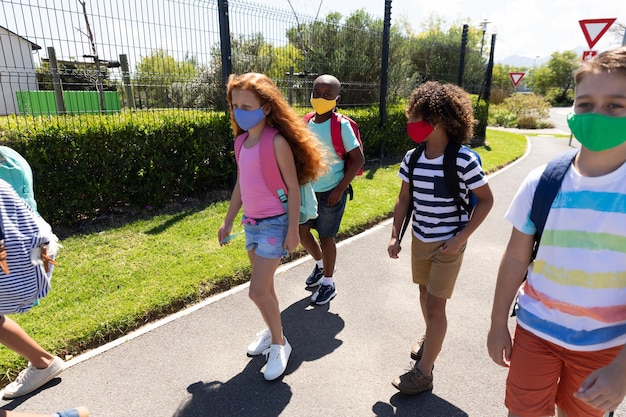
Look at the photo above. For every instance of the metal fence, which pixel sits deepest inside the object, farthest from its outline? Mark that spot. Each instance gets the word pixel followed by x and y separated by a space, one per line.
pixel 155 54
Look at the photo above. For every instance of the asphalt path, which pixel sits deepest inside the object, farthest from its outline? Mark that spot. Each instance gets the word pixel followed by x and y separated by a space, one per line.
pixel 345 354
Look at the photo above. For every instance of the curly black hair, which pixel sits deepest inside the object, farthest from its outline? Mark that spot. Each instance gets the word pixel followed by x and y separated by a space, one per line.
pixel 443 105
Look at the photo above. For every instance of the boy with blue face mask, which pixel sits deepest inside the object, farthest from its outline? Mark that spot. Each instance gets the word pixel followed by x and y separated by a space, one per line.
pixel 331 189
pixel 570 333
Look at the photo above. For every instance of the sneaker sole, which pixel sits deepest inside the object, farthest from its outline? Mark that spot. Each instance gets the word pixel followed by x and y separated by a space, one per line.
pixel 321 303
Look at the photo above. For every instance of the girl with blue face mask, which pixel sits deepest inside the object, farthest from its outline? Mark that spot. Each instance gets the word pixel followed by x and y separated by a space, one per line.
pixel 259 112
pixel 568 349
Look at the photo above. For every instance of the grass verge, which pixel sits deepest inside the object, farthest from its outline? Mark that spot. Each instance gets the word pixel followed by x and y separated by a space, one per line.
pixel 111 282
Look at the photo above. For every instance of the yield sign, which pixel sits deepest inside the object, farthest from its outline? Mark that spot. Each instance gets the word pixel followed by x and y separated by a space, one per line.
pixel 516 77
pixel 593 29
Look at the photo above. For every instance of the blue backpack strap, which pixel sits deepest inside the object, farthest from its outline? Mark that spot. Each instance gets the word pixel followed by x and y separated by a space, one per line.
pixel 547 189
pixel 410 168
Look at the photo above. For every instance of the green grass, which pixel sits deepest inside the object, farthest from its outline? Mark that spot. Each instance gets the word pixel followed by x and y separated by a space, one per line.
pixel 111 282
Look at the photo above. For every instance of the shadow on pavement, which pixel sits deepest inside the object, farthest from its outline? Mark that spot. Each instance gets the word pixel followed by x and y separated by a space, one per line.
pixel 426 404
pixel 312 335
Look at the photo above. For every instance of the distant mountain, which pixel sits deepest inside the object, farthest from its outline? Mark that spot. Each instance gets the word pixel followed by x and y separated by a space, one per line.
pixel 524 61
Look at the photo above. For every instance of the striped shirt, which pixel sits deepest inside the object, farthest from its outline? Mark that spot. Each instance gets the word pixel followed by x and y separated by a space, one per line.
pixel 24 234
pixel 575 295
pixel 436 216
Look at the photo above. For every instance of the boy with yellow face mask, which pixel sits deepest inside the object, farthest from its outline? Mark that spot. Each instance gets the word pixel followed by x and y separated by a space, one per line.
pixel 331 189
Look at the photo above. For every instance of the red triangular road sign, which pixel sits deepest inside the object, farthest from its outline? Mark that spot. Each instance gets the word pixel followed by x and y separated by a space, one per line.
pixel 593 29
pixel 516 77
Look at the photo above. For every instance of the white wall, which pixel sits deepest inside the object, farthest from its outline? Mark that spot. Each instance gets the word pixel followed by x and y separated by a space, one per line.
pixel 17 70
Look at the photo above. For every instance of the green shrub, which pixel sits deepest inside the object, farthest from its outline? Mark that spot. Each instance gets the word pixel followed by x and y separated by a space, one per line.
pixel 526 111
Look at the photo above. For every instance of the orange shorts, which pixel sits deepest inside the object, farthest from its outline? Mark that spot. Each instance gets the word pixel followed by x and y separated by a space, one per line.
pixel 543 374
pixel 438 272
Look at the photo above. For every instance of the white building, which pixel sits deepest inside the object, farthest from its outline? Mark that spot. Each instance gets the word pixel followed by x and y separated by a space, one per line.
pixel 17 69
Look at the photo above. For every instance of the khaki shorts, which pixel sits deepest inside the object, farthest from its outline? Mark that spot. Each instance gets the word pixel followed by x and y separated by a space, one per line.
pixel 543 374
pixel 438 272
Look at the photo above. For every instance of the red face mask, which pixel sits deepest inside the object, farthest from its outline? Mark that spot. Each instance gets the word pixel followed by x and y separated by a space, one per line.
pixel 418 131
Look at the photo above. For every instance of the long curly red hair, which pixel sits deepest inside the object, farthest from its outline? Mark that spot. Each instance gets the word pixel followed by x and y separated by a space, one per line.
pixel 308 151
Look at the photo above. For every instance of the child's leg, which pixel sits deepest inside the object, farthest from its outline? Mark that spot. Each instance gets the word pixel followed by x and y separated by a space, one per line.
pixel 329 254
pixel 15 338
pixel 74 412
pixel 308 242
pixel 436 327
pixel 263 293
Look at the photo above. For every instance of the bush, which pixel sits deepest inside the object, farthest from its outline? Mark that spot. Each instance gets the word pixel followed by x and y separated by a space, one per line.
pixel 84 165
pixel 526 111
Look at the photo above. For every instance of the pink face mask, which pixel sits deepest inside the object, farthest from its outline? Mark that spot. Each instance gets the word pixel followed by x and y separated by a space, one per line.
pixel 419 131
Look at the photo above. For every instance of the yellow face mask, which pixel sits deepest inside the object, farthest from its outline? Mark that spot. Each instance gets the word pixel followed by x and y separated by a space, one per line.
pixel 322 105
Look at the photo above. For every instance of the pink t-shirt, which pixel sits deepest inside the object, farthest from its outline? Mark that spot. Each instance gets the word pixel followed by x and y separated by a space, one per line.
pixel 258 201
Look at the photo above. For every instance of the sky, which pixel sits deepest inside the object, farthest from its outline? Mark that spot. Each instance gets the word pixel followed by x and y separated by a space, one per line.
pixel 528 28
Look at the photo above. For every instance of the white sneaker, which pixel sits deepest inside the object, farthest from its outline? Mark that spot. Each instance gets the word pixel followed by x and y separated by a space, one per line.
pixel 261 343
pixel 32 378
pixel 277 358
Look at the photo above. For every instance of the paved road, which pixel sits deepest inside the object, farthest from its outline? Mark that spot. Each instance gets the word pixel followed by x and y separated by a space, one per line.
pixel 344 354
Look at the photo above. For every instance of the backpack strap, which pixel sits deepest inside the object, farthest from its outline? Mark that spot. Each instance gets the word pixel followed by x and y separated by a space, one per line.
pixel 451 177
pixel 410 168
pixel 271 173
pixel 547 189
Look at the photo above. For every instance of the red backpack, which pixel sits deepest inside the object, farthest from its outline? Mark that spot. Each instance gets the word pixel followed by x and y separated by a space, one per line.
pixel 335 134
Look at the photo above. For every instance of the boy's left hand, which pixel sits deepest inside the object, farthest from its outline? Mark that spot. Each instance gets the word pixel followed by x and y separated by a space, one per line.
pixel 604 388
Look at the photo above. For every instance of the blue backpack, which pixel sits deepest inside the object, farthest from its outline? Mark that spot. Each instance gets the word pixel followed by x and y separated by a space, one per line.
pixel 547 188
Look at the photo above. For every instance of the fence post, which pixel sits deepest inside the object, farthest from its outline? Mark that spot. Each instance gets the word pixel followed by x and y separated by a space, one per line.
pixel 128 89
pixel 383 75
pixel 227 67
pixel 56 80
pixel 290 74
pixel 462 58
pixel 479 138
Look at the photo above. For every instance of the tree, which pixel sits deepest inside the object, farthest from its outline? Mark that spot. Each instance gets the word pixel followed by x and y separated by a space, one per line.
pixel 555 79
pixel 351 51
pixel 156 75
pixel 435 54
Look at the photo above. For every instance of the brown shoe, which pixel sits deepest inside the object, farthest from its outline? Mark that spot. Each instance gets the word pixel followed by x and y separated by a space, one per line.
pixel 416 355
pixel 413 382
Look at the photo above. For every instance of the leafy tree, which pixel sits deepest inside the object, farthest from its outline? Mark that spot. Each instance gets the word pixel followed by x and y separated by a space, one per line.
pixel 351 51
pixel 555 79
pixel 248 54
pixel 155 76
pixel 435 54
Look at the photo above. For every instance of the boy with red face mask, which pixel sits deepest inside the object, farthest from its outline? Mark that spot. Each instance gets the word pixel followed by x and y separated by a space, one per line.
pixel 438 114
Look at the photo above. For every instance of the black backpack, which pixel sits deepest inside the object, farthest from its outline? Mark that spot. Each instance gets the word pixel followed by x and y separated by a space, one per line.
pixel 450 178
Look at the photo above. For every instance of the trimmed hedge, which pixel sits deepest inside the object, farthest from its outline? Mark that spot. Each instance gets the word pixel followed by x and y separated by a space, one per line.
pixel 90 164
pixel 86 164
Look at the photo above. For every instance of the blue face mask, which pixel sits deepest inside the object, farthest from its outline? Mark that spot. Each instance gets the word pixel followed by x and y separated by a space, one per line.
pixel 247 119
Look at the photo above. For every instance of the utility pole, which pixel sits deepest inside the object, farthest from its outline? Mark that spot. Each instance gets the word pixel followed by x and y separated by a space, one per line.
pixel 384 68
pixel 96 61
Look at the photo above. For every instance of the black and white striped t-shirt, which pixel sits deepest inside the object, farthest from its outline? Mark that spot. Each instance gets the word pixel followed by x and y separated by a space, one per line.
pixel 24 234
pixel 436 216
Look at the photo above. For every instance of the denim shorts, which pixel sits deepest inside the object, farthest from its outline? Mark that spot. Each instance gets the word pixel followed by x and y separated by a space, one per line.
pixel 267 236
pixel 328 218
